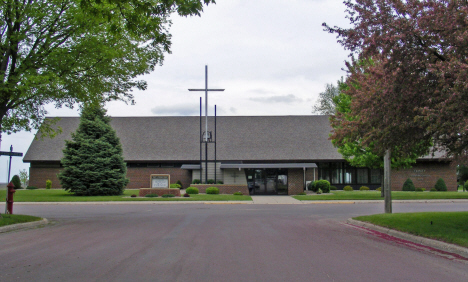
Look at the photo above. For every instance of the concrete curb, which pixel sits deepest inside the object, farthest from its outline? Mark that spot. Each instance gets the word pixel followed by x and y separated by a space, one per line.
pixel 381 201
pixel 462 251
pixel 133 203
pixel 25 225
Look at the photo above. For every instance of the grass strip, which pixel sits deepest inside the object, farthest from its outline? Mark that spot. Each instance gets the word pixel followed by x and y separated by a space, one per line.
pixel 375 195
pixel 59 195
pixel 8 219
pixel 450 227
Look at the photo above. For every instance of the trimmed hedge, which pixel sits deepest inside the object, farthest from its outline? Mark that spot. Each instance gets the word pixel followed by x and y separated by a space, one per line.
pixel 238 193
pixel 440 185
pixel 167 196
pixel 312 186
pixel 333 188
pixel 196 181
pixel 212 190
pixel 348 188
pixel 191 190
pixel 15 180
pixel 408 185
pixel 364 188
pixel 323 185
pixel 151 195
pixel 420 189
pixel 175 186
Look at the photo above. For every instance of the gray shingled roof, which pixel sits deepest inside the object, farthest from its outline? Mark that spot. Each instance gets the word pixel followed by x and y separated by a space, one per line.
pixel 240 138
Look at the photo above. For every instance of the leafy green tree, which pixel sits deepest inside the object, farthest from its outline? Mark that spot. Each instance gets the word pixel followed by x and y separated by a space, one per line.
pixel 92 162
pixel 417 92
pixel 325 105
pixel 69 51
pixel 23 175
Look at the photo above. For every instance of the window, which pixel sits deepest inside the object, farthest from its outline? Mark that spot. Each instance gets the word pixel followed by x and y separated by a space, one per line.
pixel 362 175
pixel 375 176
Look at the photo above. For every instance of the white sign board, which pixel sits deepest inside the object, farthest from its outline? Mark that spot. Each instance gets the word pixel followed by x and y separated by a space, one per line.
pixel 160 181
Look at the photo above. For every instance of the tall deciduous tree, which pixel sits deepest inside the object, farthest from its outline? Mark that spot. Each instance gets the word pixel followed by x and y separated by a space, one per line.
pixel 418 90
pixel 324 104
pixel 92 162
pixel 68 51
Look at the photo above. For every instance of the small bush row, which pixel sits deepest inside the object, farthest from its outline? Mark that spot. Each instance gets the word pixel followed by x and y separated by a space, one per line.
pixel 210 181
pixel 409 186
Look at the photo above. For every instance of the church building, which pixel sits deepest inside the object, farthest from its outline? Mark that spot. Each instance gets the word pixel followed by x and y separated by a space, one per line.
pixel 273 155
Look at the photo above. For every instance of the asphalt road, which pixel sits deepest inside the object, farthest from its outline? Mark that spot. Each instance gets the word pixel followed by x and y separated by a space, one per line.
pixel 211 242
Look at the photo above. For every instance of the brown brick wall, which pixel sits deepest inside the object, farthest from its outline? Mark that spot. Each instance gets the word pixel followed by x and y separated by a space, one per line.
pixel 295 181
pixel 158 191
pixel 223 188
pixel 425 175
pixel 139 177
pixel 39 175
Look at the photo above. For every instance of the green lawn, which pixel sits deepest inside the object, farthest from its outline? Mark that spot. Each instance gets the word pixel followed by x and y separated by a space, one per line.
pixel 59 195
pixel 375 195
pixel 450 227
pixel 8 219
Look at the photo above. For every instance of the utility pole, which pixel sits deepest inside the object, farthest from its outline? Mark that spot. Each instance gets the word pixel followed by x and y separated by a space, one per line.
pixel 387 183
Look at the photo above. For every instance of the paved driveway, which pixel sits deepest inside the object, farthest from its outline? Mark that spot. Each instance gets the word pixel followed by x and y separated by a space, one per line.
pixel 196 242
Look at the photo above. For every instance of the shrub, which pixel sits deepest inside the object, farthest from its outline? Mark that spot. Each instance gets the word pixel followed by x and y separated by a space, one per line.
pixel 210 181
pixel 319 191
pixel 16 181
pixel 174 186
pixel 408 185
pixel 151 195
pixel 196 181
pixel 324 185
pixel 219 182
pixel 212 190
pixel 180 183
pixel 379 189
pixel 333 188
pixel 133 196
pixel 466 185
pixel 348 188
pixel 433 190
pixel 186 195
pixel 440 185
pixel 167 196
pixel 302 193
pixel 48 184
pixel 191 190
pixel 364 188
pixel 31 187
pixel 238 193
pixel 312 186
pixel 420 189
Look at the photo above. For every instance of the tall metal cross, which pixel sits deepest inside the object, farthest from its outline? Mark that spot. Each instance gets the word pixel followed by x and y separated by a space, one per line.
pixel 206 100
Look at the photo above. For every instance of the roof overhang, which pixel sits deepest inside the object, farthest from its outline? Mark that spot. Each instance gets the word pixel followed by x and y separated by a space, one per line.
pixel 190 166
pixel 271 165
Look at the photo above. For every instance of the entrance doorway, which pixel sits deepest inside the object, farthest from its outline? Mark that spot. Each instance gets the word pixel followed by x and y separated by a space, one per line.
pixel 268 181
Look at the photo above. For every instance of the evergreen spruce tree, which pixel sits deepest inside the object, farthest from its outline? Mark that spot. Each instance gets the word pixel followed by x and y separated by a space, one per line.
pixel 93 162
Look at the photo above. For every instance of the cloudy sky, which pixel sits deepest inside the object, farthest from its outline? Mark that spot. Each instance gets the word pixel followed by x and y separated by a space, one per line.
pixel 272 57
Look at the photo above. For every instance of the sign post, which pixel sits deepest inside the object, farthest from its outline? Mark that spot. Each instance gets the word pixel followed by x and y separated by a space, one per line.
pixel 11 154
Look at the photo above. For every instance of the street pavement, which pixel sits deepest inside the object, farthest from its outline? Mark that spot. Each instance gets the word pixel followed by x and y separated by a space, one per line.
pixel 214 242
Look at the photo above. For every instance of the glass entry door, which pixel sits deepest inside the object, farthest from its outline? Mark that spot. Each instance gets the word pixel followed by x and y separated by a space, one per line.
pixel 267 181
